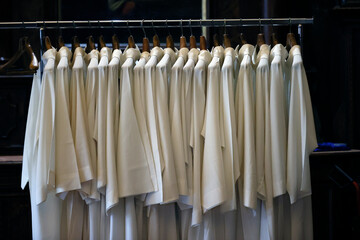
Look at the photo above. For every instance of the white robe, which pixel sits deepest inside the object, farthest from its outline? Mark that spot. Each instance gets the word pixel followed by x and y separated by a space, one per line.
pixel 278 121
pixel 74 205
pixel 163 71
pixel 45 206
pixel 263 141
pixel 196 140
pixel 78 120
pixel 134 175
pixel 245 116
pixel 112 124
pixel 186 104
pixel 245 126
pixel 91 91
pixel 139 105
pixel 66 170
pixel 301 142
pixel 230 150
pixel 213 174
pixel 151 122
pixel 176 123
pixel 101 115
pixel 278 117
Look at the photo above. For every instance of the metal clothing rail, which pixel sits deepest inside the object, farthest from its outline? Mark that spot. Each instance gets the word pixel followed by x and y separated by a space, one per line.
pixel 95 24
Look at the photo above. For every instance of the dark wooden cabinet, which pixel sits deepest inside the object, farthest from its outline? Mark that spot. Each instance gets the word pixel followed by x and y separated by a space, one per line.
pixel 15 210
pixel 14 102
pixel 335 213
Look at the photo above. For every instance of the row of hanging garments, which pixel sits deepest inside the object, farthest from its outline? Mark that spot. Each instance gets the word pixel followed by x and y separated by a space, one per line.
pixel 170 144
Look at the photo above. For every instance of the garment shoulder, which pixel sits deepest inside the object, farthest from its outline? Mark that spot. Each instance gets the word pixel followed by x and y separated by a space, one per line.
pixel 228 63
pixel 79 63
pixel 63 64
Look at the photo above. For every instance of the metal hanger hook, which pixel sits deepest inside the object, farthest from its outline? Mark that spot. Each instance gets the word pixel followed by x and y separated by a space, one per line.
pixel 128 28
pixel 260 25
pixel 224 26
pixel 152 24
pixel 142 26
pixel 289 25
pixel 167 26
pixel 181 27
pixel 191 33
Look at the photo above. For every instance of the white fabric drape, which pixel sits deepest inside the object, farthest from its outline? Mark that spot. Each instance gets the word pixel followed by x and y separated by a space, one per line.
pixel 170 144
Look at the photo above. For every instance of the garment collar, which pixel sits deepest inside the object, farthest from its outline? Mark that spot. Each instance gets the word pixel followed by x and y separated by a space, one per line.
pixel 279 50
pixel 246 49
pixel 116 54
pixel 295 50
pixel 105 52
pixel 205 56
pixel 230 52
pixel 193 54
pixel 64 52
pixel 183 53
pixel 49 54
pixel 263 53
pixel 171 53
pixel 133 53
pixel 158 52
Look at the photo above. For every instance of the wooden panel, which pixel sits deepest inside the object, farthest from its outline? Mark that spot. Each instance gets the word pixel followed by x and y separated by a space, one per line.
pixel 15 213
pixel 14 101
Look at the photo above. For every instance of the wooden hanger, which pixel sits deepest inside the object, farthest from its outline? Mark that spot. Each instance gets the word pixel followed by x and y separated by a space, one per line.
pixel 170 42
pixel 156 42
pixel 183 42
pixel 75 43
pixel 260 40
pixel 242 39
pixel 115 42
pixel 101 43
pixel 192 42
pixel 146 45
pixel 274 39
pixel 216 40
pixel 47 43
pixel 61 42
pixel 203 43
pixel 227 42
pixel 90 45
pixel 131 42
pixel 34 63
pixel 24 45
pixel 290 41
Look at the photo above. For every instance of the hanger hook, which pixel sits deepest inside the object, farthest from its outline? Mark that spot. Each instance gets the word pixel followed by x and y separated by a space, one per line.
pixel 152 24
pixel 224 26
pixel 167 26
pixel 191 33
pixel 112 25
pixel 128 28
pixel 23 24
pixel 89 24
pixel 142 26
pixel 260 25
pixel 181 27
pixel 289 25
pixel 272 24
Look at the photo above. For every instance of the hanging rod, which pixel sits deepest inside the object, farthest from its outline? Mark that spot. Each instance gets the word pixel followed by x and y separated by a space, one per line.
pixel 95 24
